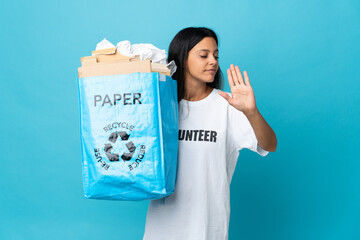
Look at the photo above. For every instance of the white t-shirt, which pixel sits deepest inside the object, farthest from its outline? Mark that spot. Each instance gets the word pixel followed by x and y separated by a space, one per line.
pixel 211 133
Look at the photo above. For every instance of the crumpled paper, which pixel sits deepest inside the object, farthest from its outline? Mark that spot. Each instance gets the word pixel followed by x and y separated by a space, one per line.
pixel 104 44
pixel 145 50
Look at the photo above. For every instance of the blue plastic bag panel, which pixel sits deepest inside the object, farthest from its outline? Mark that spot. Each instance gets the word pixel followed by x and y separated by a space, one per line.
pixel 122 136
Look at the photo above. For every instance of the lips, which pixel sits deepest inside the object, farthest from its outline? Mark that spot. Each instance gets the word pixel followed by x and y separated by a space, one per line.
pixel 211 71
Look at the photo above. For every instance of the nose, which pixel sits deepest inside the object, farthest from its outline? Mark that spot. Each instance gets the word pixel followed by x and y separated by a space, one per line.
pixel 213 60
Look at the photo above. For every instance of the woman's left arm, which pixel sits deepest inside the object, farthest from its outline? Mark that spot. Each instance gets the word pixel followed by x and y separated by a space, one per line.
pixel 264 133
pixel 243 99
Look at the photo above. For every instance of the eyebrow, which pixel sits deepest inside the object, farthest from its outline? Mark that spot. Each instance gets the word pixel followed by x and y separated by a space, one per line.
pixel 206 50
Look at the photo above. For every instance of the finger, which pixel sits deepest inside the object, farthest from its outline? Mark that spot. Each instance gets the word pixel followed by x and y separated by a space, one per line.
pixel 231 80
pixel 233 73
pixel 225 95
pixel 247 80
pixel 239 74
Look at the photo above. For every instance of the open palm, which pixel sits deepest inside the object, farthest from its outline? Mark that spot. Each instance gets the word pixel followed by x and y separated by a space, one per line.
pixel 242 95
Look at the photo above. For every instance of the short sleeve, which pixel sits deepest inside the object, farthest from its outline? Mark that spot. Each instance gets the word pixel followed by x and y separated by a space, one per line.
pixel 241 132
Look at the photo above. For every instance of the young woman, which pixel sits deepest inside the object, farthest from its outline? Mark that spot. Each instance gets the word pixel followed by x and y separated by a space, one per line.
pixel 213 127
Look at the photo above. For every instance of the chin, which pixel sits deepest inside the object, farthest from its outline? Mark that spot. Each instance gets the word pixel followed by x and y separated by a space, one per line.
pixel 210 80
pixel 206 79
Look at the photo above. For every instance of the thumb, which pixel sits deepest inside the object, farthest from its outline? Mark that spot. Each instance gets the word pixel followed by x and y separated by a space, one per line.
pixel 225 95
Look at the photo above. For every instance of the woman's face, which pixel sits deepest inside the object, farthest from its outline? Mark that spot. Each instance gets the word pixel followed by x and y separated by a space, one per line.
pixel 202 63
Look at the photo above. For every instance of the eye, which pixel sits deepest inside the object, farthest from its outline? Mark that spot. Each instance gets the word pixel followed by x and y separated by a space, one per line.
pixel 206 57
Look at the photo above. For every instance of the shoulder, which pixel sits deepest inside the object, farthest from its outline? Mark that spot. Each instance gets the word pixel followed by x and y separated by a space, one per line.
pixel 233 112
pixel 219 98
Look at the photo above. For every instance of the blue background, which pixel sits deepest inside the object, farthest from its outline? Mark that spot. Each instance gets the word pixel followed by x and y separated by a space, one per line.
pixel 303 62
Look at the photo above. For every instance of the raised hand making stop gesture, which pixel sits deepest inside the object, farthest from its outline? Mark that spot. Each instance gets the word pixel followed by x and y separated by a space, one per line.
pixel 242 95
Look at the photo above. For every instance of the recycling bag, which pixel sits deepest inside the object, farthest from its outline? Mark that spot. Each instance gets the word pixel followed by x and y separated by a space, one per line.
pixel 129 135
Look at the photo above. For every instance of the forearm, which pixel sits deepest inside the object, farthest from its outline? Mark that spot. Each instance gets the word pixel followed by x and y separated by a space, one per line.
pixel 264 133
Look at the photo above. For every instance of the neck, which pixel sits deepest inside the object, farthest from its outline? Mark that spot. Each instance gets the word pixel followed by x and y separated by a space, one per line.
pixel 196 91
